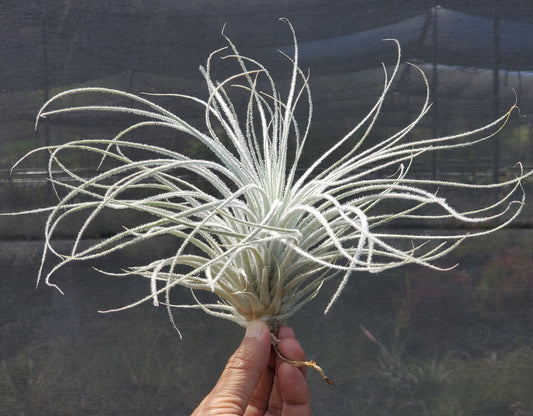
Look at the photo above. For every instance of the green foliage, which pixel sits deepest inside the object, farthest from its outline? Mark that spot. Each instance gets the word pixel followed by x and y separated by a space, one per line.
pixel 136 368
pixel 11 151
pixel 405 385
pixel 506 283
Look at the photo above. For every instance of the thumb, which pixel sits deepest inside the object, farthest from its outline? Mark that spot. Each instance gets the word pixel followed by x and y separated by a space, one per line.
pixel 243 371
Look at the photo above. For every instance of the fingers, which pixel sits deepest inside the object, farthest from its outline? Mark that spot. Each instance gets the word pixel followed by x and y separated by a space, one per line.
pixel 242 374
pixel 295 394
pixel 290 394
pixel 259 400
pixel 246 384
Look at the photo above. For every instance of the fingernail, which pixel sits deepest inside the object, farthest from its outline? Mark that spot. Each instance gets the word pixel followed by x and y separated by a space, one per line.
pixel 254 329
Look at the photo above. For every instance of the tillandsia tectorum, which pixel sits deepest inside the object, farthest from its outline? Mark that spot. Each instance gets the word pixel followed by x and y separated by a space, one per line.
pixel 269 232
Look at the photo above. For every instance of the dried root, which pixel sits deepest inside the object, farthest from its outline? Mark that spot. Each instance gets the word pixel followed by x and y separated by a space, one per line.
pixel 296 363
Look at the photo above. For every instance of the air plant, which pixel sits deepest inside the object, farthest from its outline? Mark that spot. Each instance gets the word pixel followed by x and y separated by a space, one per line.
pixel 268 232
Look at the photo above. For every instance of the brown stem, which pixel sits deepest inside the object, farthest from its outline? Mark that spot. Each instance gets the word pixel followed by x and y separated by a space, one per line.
pixel 297 363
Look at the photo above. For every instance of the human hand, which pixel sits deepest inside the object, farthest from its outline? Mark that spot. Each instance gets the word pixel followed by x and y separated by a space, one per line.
pixel 256 382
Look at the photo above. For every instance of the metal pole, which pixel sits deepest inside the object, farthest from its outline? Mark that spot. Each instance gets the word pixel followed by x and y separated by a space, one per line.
pixel 496 85
pixel 435 85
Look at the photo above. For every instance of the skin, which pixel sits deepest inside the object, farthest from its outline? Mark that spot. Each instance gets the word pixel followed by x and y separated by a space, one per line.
pixel 255 382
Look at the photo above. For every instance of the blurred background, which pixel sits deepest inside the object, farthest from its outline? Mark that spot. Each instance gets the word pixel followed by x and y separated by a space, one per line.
pixel 405 342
